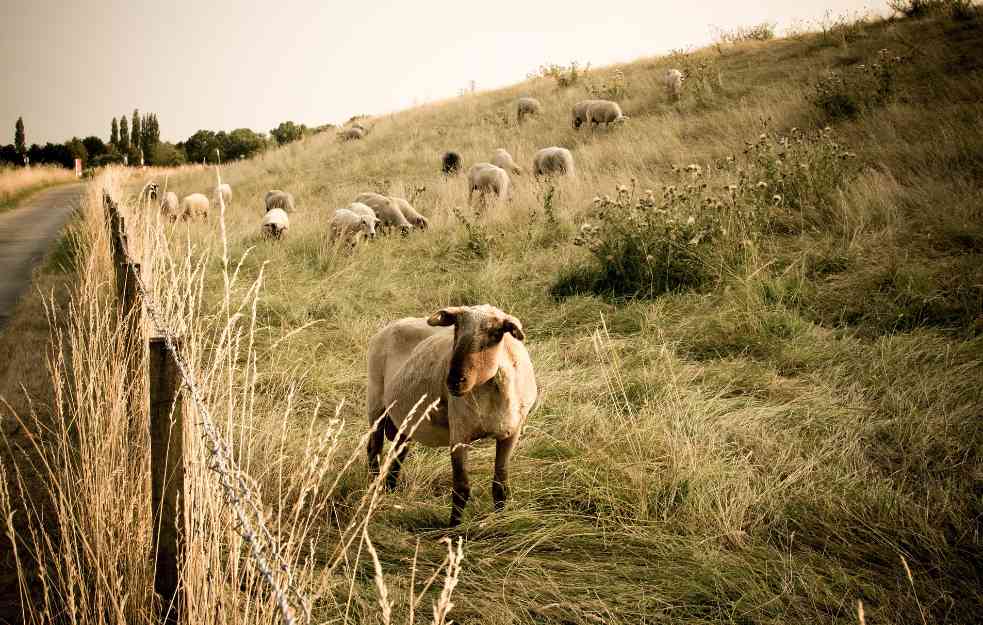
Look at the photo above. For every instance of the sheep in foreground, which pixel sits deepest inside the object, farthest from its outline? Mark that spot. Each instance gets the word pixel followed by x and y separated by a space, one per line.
pixel 169 206
pixel 478 373
pixel 275 223
pixel 674 83
pixel 225 192
pixel 193 206
pixel 386 210
pixel 410 213
pixel 350 227
pixel 279 199
pixel 503 159
pixel 605 112
pixel 487 178
pixel 553 161
pixel 361 209
pixel 352 134
pixel 450 163
pixel 580 112
pixel 526 106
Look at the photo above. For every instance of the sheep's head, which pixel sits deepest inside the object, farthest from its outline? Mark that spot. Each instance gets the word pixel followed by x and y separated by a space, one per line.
pixel 421 222
pixel 368 225
pixel 478 335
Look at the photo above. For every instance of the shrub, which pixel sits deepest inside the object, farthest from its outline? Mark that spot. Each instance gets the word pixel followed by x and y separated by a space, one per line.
pixel 846 94
pixel 564 76
pixel 758 32
pixel 616 89
pixel 957 9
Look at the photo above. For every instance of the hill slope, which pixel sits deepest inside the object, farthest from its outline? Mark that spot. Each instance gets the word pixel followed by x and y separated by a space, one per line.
pixel 763 424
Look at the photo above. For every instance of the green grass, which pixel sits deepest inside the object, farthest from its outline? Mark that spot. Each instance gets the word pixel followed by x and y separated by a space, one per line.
pixel 765 448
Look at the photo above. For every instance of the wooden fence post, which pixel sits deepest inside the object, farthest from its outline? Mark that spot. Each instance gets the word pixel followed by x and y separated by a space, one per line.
pixel 167 473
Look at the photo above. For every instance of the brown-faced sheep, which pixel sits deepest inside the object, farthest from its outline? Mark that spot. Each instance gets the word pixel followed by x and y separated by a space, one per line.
pixel 487 178
pixel 579 112
pixel 279 199
pixel 478 373
pixel 450 163
pixel 605 112
pixel 410 213
pixel 553 161
pixel 275 223
pixel 526 106
pixel 352 134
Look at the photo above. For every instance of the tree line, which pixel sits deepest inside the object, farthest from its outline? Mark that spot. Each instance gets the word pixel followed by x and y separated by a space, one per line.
pixel 136 141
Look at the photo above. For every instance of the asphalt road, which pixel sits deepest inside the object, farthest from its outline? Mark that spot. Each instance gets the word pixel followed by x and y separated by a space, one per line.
pixel 26 234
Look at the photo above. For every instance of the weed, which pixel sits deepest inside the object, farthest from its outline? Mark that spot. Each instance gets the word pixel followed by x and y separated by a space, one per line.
pixel 564 76
pixel 846 94
pixel 616 89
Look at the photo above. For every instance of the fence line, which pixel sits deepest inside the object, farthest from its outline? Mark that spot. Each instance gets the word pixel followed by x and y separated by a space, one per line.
pixel 238 495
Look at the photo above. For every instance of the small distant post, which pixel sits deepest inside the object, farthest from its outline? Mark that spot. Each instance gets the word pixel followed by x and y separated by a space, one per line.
pixel 167 473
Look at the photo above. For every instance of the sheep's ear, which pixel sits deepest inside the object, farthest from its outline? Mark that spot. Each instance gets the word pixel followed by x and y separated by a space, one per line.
pixel 444 316
pixel 514 327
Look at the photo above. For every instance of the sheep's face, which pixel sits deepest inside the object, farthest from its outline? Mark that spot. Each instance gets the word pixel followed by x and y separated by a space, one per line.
pixel 421 223
pixel 478 334
pixel 368 226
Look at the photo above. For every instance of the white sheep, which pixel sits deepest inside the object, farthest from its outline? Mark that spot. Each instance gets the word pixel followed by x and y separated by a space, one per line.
pixel 580 112
pixel 386 210
pixel 410 213
pixel 279 199
pixel 527 106
pixel 487 178
pixel 674 83
pixel 193 206
pixel 361 209
pixel 604 112
pixel 275 223
pixel 470 360
pixel 169 206
pixel 501 158
pixel 553 161
pixel 352 134
pixel 225 191
pixel 350 227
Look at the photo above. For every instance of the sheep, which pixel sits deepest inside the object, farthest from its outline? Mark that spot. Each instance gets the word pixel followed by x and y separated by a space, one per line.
pixel 478 375
pixel 386 210
pixel 604 112
pixel 352 134
pixel 361 209
pixel 450 163
pixel 169 206
pixel 194 205
pixel 225 192
pixel 674 83
pixel 526 106
pixel 580 112
pixel 279 199
pixel 350 227
pixel 503 159
pixel 553 160
pixel 410 213
pixel 485 178
pixel 275 223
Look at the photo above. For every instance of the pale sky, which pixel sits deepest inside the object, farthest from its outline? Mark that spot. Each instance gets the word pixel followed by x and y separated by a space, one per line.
pixel 70 66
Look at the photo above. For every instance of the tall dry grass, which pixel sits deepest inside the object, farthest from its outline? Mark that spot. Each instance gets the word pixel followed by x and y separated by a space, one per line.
pixel 16 182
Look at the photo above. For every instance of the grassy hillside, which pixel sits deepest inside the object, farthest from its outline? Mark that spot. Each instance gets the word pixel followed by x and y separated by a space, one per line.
pixel 776 417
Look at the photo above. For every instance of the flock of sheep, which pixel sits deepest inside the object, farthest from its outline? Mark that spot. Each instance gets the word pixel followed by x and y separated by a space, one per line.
pixel 462 374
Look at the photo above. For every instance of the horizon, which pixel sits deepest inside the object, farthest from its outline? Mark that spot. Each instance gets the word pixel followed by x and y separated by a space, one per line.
pixel 251 88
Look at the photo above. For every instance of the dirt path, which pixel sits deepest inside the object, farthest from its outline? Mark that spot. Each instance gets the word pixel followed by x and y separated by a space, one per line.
pixel 26 234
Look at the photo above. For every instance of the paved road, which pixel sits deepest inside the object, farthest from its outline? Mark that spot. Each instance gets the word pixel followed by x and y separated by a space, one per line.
pixel 26 233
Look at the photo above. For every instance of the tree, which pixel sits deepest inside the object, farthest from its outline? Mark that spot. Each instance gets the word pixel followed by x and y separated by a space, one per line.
pixel 241 143
pixel 150 136
pixel 9 155
pixel 201 146
pixel 124 136
pixel 168 155
pixel 287 132
pixel 114 133
pixel 94 146
pixel 20 138
pixel 136 135
pixel 76 150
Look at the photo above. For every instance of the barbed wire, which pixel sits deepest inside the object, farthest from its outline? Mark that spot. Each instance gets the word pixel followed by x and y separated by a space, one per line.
pixel 233 480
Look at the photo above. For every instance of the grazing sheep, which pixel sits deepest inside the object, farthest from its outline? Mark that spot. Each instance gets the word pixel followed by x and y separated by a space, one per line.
pixel 225 192
pixel 553 161
pixel 193 206
pixel 674 83
pixel 487 178
pixel 480 376
pixel 279 199
pixel 604 112
pixel 580 112
pixel 352 134
pixel 503 159
pixel 450 163
pixel 527 106
pixel 386 210
pixel 351 227
pixel 169 206
pixel 410 213
pixel 361 209
pixel 275 223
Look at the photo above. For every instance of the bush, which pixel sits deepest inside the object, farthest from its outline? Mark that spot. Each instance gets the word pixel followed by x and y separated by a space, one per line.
pixel 616 89
pixel 764 31
pixel 957 9
pixel 564 76
pixel 842 95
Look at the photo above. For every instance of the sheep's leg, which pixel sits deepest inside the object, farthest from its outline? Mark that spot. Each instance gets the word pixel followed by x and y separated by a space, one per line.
pixel 500 483
pixel 462 487
pixel 374 447
pixel 397 462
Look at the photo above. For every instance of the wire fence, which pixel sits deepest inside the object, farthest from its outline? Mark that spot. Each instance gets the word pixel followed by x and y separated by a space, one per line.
pixel 238 493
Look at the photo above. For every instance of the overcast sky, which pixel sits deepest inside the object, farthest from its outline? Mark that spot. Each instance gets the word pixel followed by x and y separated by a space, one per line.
pixel 69 67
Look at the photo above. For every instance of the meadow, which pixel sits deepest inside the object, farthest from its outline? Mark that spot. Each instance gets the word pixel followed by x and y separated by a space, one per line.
pixel 17 183
pixel 759 364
